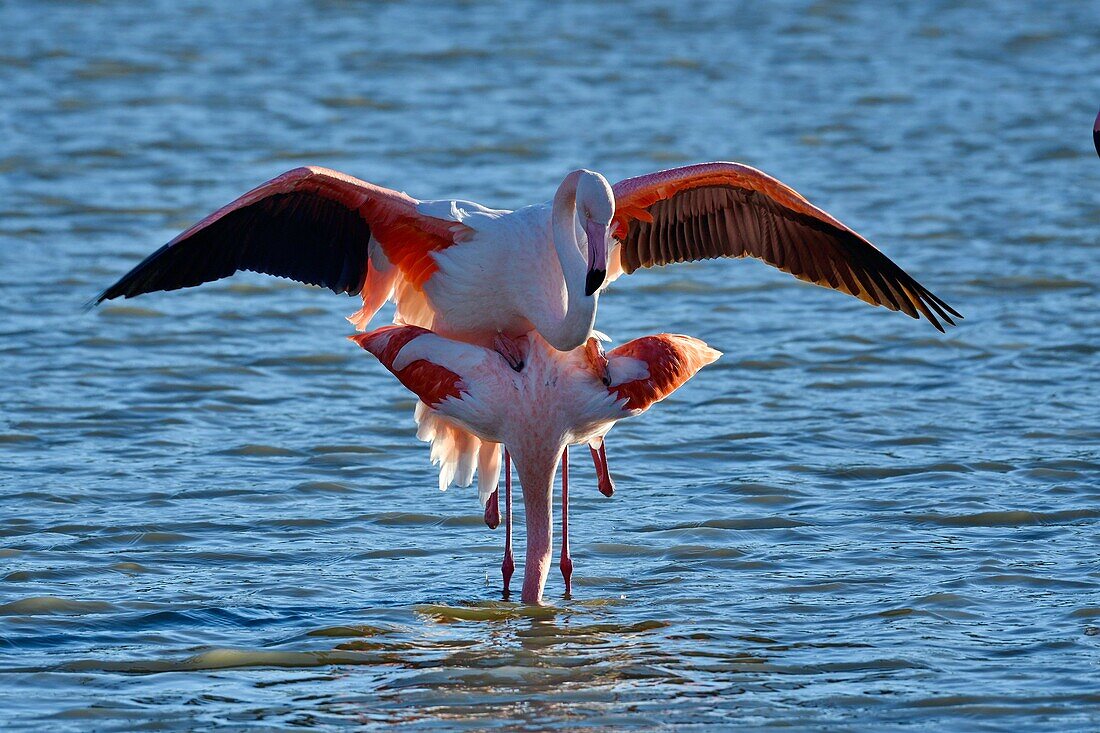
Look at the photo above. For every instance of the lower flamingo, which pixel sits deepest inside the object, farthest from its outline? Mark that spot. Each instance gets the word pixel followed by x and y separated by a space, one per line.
pixel 557 400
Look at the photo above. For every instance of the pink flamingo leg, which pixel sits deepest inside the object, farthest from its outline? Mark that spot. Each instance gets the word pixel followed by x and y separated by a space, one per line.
pixel 566 563
pixel 509 565
pixel 603 474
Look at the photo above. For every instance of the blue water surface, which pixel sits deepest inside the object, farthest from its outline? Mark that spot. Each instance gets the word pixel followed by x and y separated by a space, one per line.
pixel 213 509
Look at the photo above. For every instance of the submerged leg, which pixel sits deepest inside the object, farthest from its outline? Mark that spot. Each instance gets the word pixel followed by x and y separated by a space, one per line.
pixel 509 565
pixel 566 563
pixel 603 474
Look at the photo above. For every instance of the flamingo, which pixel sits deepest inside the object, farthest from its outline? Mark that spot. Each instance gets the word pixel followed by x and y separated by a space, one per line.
pixel 489 276
pixel 557 400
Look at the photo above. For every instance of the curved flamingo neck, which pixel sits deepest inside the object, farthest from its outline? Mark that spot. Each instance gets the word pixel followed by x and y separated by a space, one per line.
pixel 571 330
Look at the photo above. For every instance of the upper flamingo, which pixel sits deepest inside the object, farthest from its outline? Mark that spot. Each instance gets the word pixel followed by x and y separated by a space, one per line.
pixel 558 399
pixel 473 273
pixel 491 277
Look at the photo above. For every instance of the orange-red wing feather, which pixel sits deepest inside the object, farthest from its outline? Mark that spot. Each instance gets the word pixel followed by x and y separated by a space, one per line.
pixel 310 224
pixel 385 343
pixel 430 382
pixel 714 210
pixel 671 360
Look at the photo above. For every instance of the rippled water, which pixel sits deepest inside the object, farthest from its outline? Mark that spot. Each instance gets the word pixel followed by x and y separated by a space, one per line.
pixel 213 510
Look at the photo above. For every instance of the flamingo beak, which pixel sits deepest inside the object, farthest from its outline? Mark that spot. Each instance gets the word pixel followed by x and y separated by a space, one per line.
pixel 596 234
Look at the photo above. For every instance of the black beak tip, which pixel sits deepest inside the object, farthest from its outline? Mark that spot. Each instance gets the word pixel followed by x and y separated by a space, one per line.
pixel 594 280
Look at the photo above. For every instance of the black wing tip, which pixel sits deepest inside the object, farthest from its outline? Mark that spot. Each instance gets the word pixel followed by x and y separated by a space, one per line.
pixel 939 303
pixel 124 288
pixel 92 302
pixel 943 310
pixel 941 307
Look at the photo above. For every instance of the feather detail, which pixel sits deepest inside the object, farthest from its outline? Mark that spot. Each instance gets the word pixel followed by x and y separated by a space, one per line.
pixel 670 360
pixel 488 471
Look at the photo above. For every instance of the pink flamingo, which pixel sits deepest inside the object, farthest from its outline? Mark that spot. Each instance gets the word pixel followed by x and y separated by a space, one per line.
pixel 558 399
pixel 489 276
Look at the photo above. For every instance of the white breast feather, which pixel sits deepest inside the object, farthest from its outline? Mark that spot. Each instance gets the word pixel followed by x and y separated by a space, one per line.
pixel 456 451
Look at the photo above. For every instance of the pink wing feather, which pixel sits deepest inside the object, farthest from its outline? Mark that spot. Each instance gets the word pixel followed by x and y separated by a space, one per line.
pixel 430 382
pixel 671 360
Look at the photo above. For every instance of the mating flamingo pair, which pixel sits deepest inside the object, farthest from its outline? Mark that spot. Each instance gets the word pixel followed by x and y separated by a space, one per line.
pixel 558 399
pixel 495 308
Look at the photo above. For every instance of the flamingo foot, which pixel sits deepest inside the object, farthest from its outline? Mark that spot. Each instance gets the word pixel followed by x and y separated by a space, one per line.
pixel 607 486
pixel 506 569
pixel 492 511
pixel 566 566
pixel 603 473
pixel 509 351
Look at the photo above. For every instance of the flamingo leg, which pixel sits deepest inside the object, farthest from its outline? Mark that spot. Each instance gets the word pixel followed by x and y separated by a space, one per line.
pixel 566 563
pixel 603 473
pixel 509 565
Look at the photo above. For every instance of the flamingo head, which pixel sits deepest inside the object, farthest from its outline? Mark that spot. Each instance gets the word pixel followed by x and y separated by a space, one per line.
pixel 596 359
pixel 595 209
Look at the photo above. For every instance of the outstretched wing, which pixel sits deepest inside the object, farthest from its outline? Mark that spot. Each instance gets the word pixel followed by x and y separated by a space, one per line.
pixel 311 224
pixel 713 210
